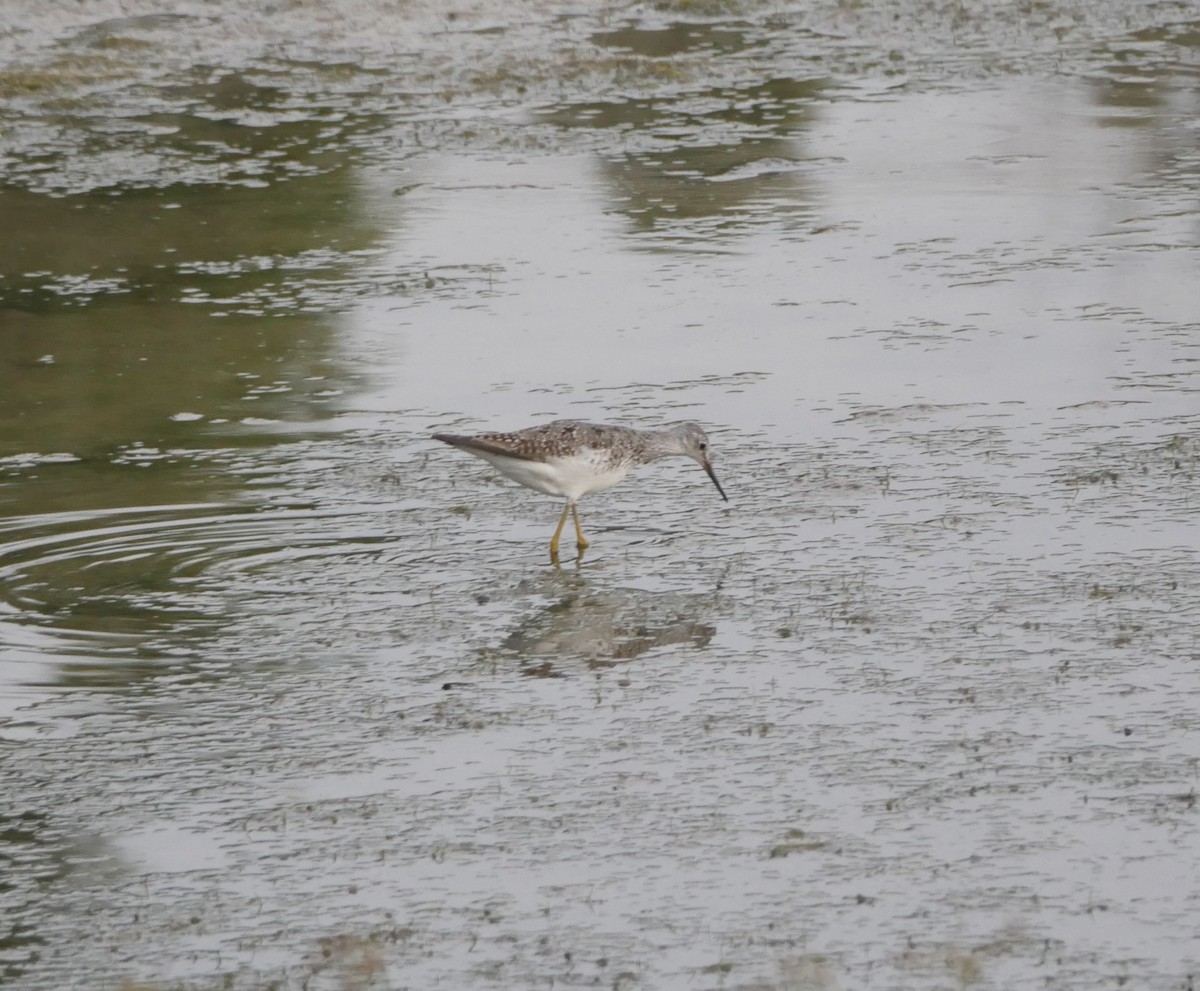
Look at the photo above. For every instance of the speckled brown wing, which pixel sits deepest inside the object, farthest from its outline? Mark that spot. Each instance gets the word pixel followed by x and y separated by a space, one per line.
pixel 560 438
pixel 564 438
pixel 500 444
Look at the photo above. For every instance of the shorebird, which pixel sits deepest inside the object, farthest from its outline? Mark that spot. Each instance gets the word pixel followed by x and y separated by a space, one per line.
pixel 570 459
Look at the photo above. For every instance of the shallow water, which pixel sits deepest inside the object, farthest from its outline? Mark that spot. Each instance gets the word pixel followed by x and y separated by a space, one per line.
pixel 291 695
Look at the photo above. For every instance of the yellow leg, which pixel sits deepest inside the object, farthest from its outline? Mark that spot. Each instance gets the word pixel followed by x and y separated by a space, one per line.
pixel 580 539
pixel 562 520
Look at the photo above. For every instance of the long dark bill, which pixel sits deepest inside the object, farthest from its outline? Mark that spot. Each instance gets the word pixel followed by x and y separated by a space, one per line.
pixel 713 475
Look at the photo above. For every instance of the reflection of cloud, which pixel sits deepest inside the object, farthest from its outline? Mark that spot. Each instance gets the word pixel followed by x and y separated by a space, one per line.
pixel 719 156
pixel 606 629
pixel 721 184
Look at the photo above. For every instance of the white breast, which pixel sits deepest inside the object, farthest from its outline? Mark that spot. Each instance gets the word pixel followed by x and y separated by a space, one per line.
pixel 569 477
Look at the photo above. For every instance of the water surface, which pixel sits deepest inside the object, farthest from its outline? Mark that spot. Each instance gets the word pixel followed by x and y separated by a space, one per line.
pixel 291 695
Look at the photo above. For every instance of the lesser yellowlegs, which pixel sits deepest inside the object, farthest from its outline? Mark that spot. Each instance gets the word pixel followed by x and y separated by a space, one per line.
pixel 570 458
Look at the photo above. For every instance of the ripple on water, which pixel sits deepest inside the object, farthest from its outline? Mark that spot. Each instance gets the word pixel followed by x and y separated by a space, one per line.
pixel 94 598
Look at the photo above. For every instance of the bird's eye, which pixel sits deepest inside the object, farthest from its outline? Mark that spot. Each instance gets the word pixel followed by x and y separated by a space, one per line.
pixel 704 447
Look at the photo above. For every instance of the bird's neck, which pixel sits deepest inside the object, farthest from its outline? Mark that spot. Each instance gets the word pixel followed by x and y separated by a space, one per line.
pixel 662 444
